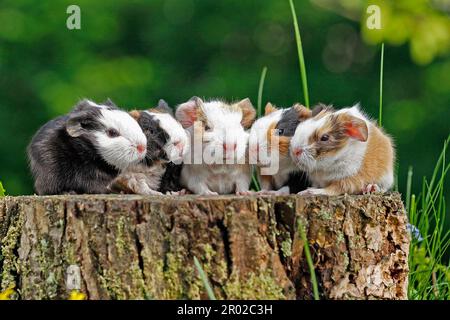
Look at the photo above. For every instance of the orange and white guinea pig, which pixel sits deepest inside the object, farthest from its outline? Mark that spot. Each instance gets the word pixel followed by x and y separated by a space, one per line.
pixel 343 152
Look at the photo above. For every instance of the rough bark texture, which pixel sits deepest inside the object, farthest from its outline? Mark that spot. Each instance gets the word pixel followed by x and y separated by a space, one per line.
pixel 134 247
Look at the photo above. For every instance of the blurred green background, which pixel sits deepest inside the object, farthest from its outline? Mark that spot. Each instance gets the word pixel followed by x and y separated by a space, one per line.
pixel 136 52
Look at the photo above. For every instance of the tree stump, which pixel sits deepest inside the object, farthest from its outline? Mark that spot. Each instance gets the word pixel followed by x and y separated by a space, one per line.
pixel 136 247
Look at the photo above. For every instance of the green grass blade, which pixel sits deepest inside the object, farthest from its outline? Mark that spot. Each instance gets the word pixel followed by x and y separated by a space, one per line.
pixel 255 181
pixel 408 188
pixel 260 90
pixel 2 190
pixel 380 116
pixel 301 58
pixel 204 278
pixel 309 260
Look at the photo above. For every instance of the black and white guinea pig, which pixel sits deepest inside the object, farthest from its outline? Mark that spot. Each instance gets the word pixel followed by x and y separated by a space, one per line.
pixel 167 143
pixel 83 151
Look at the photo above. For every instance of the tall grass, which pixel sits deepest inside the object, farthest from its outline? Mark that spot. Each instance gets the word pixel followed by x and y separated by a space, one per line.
pixel 260 91
pixel 380 114
pixel 2 190
pixel 204 279
pixel 312 272
pixel 429 277
pixel 301 58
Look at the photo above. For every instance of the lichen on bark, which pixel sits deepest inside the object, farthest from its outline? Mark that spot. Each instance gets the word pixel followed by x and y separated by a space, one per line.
pixel 135 247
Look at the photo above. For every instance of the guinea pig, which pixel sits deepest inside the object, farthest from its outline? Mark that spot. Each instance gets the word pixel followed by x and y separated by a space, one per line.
pixel 83 151
pixel 167 143
pixel 343 152
pixel 216 163
pixel 273 130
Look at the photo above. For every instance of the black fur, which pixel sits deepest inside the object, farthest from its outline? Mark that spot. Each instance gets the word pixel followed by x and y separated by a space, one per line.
pixel 157 137
pixel 298 181
pixel 171 178
pixel 63 163
pixel 290 120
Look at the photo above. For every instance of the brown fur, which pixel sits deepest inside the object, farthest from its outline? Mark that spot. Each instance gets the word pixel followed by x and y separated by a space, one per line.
pixel 248 112
pixel 303 112
pixel 340 128
pixel 283 141
pixel 378 160
pixel 135 114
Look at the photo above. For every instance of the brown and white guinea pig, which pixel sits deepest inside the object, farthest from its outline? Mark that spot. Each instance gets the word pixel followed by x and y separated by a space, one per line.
pixel 167 143
pixel 83 151
pixel 275 129
pixel 344 152
pixel 216 163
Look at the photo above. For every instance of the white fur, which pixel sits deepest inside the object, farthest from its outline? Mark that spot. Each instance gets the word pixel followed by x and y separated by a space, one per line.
pixel 176 135
pixel 322 171
pixel 226 127
pixel 218 178
pixel 258 136
pixel 120 151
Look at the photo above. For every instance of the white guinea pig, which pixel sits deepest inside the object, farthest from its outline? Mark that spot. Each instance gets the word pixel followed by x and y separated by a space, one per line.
pixel 216 163
pixel 343 152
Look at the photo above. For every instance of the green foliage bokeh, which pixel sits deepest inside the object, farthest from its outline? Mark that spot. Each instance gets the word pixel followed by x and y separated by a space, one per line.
pixel 136 52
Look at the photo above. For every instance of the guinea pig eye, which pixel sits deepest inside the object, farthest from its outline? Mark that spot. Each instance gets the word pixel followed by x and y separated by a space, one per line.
pixel 325 137
pixel 112 133
pixel 207 128
pixel 280 132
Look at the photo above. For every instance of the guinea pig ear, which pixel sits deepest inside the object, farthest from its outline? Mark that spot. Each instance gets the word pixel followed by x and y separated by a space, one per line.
pixel 187 113
pixel 83 105
pixel 164 107
pixel 73 126
pixel 318 109
pixel 248 112
pixel 108 102
pixel 269 108
pixel 303 112
pixel 356 128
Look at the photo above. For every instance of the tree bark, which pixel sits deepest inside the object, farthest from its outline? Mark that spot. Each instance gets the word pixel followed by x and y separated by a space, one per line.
pixel 134 247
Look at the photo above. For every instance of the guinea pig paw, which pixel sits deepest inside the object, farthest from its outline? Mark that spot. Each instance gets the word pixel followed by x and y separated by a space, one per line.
pixel 372 188
pixel 150 192
pixel 245 193
pixel 269 193
pixel 313 192
pixel 209 193
pixel 176 193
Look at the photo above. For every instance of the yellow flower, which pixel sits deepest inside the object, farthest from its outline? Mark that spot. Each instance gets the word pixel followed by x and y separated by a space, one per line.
pixel 77 295
pixel 6 295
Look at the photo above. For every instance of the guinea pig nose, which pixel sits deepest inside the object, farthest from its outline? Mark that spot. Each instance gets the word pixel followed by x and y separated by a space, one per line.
pixel 141 148
pixel 179 145
pixel 298 152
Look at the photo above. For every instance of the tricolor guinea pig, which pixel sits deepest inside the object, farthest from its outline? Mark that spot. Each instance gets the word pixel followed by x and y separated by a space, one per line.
pixel 216 163
pixel 167 144
pixel 343 152
pixel 274 130
pixel 83 151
